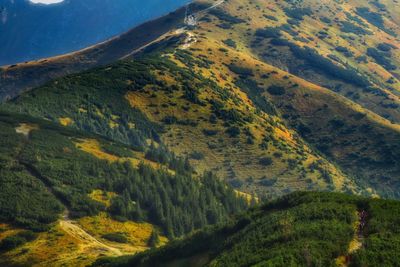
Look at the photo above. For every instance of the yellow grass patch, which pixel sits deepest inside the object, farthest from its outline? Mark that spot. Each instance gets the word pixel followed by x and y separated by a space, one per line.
pixel 169 79
pixel 354 245
pixel 78 243
pixel 113 124
pixel 133 99
pixel 137 233
pixel 7 230
pixel 99 113
pixel 155 165
pixel 53 248
pixel 341 261
pixel 26 128
pixel 115 117
pixel 247 196
pixel 65 121
pixel 102 197
pixel 93 147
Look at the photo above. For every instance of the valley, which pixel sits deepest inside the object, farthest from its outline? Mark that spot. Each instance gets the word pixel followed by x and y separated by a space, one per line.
pixel 75 215
pixel 226 133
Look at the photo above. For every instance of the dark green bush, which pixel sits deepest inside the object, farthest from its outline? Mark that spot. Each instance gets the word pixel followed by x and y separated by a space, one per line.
pixel 298 13
pixel 266 161
pixel 242 71
pixel 197 155
pixel 116 237
pixel 210 132
pixel 233 131
pixel 276 90
pixel 222 15
pixel 230 42
pixel 269 33
pixel 381 58
pixel 14 241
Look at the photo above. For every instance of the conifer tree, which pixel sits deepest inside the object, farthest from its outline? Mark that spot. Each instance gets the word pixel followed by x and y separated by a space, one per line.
pixel 154 239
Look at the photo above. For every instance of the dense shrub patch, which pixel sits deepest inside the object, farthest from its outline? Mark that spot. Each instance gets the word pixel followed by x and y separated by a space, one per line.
pixel 301 229
pixel 51 159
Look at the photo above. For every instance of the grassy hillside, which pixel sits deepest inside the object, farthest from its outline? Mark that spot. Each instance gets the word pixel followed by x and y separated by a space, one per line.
pixel 271 96
pixel 351 48
pixel 301 229
pixel 62 186
pixel 217 127
pixel 264 128
pixel 352 134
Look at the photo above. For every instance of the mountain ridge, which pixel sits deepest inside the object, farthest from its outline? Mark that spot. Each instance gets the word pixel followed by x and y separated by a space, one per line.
pixel 281 97
pixel 21 77
pixel 30 31
pixel 234 109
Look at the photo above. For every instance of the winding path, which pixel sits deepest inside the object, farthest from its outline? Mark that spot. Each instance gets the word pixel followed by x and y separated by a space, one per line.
pixel 201 12
pixel 70 226
pixel 190 39
pixel 357 242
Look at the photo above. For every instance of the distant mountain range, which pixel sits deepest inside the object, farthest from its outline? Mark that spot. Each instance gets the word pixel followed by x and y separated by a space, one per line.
pixel 31 31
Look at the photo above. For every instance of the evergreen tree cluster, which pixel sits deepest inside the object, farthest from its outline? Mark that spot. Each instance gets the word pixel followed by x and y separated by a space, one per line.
pixel 301 229
pixel 162 155
pixel 52 174
pixel 177 203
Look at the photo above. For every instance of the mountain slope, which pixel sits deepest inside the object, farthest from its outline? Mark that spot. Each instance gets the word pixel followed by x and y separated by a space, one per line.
pixel 95 195
pixel 261 128
pixel 17 78
pixel 354 52
pixel 312 110
pixel 117 158
pixel 218 72
pixel 302 229
pixel 230 133
pixel 32 31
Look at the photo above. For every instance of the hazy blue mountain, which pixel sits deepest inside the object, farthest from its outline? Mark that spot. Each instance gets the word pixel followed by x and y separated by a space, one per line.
pixel 31 31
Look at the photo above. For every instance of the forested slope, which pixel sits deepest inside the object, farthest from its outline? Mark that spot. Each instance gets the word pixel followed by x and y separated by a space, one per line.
pixel 301 229
pixel 150 97
pixel 47 171
pixel 297 96
pixel 211 93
